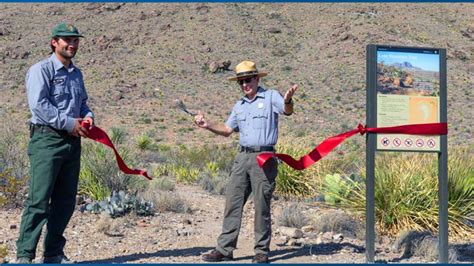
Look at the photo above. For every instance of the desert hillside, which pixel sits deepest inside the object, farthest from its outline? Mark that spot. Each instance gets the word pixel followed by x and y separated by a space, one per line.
pixel 137 58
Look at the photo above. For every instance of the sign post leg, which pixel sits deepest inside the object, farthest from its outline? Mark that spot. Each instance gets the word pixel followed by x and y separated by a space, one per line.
pixel 443 201
pixel 369 198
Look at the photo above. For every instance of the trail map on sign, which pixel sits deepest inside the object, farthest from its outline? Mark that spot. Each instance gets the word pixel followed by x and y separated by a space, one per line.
pixel 407 93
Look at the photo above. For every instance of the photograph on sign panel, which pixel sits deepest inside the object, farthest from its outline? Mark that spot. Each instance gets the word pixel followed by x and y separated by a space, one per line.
pixel 402 73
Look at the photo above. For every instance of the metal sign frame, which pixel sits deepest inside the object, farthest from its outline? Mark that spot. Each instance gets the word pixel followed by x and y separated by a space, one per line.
pixel 371 148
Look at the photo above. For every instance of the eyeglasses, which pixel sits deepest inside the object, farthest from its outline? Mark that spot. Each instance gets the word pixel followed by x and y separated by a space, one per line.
pixel 247 80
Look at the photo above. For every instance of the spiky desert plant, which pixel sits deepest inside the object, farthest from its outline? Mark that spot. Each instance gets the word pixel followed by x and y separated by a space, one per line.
pixel 100 174
pixel 303 184
pixel 291 183
pixel 184 174
pixel 406 192
pixel 144 142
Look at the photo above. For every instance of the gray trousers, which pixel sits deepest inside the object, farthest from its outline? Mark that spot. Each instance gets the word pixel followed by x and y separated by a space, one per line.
pixel 247 177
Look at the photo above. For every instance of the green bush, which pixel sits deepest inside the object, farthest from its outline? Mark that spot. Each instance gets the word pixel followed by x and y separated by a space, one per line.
pixel 100 174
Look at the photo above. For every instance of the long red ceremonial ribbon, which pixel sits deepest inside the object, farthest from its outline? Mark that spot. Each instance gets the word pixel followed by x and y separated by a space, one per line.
pixel 99 135
pixel 330 143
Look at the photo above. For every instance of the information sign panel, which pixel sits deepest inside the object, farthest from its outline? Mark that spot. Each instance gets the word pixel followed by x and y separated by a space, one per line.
pixel 408 92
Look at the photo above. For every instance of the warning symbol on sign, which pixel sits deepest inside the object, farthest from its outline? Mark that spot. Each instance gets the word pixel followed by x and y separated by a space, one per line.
pixel 420 143
pixel 431 143
pixel 385 141
pixel 397 142
pixel 408 142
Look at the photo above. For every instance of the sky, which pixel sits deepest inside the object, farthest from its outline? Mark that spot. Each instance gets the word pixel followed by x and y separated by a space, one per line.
pixel 428 62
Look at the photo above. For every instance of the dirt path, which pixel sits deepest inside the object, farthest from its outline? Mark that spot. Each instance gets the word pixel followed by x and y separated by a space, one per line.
pixel 183 238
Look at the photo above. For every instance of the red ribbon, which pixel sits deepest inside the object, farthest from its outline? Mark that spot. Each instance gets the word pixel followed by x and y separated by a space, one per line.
pixel 332 142
pixel 99 135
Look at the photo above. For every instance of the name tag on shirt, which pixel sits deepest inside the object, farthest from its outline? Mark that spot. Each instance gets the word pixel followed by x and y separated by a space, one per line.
pixel 260 105
pixel 58 81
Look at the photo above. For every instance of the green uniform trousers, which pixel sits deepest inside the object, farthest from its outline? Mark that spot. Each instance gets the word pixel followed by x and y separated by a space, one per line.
pixel 247 177
pixel 54 174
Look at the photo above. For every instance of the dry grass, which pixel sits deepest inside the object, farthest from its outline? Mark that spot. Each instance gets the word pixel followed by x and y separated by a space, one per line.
pixel 293 216
pixel 421 244
pixel 341 222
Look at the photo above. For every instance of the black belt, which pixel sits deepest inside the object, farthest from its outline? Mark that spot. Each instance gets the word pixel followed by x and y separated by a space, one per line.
pixel 46 129
pixel 256 149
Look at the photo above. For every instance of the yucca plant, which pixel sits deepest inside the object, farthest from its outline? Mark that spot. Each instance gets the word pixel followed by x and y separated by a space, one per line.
pixel 184 174
pixel 406 192
pixel 100 174
pixel 90 185
pixel 117 135
pixel 144 142
pixel 303 184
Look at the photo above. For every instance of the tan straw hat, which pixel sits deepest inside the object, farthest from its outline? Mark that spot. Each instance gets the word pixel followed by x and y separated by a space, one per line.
pixel 246 69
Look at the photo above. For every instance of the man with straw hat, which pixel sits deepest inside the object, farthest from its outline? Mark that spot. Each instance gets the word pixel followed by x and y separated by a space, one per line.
pixel 255 117
pixel 58 102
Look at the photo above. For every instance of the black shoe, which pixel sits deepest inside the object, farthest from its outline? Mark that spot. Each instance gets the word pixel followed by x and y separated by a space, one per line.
pixel 216 256
pixel 60 259
pixel 260 258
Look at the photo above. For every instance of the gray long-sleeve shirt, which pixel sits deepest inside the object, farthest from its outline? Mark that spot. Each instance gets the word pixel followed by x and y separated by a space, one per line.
pixel 257 120
pixel 56 94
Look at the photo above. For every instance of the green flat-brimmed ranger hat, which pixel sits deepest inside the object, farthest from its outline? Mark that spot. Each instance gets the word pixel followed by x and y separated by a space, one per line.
pixel 65 30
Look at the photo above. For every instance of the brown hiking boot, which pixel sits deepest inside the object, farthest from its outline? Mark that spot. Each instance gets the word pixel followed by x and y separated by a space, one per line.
pixel 260 258
pixel 216 256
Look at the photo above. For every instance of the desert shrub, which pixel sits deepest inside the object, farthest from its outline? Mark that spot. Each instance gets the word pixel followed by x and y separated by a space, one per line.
pixel 110 226
pixel 213 183
pixel 163 183
pixel 13 151
pixel 406 192
pixel 3 251
pixel 340 222
pixel 100 174
pixel 13 166
pixel 207 156
pixel 421 244
pixel 11 189
pixel 293 216
pixel 165 201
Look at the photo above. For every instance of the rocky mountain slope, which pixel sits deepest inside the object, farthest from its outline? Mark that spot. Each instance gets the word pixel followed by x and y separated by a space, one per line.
pixel 139 57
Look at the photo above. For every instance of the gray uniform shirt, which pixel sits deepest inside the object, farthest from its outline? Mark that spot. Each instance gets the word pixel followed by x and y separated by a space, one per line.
pixel 56 94
pixel 257 120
